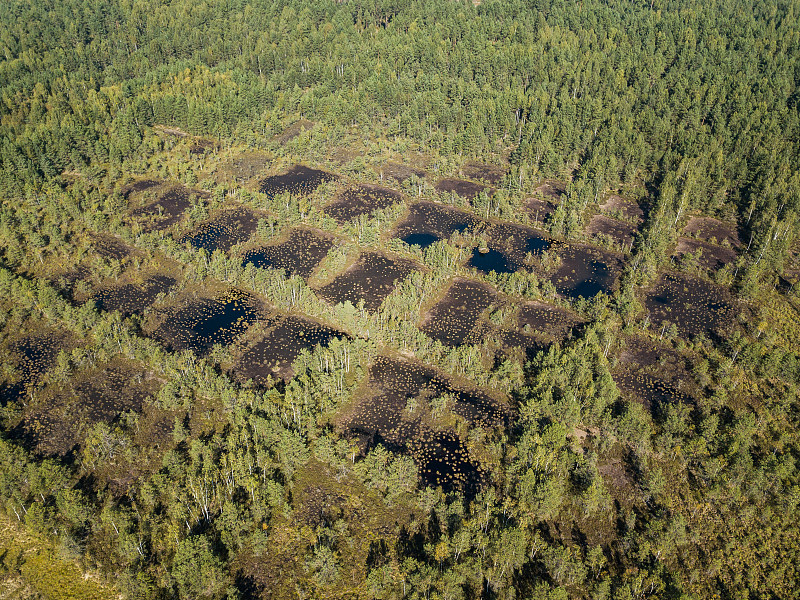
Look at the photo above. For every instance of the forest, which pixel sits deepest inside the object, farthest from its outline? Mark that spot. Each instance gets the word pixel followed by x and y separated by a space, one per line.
pixel 391 299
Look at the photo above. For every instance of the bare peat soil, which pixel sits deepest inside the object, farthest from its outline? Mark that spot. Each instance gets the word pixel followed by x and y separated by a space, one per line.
pixel 271 356
pixel 231 227
pixel 371 279
pixel 453 318
pixel 694 305
pixel 299 254
pixel 363 199
pixel 298 180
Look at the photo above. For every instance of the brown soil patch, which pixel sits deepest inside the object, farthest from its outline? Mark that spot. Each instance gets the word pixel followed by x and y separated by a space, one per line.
pixel 713 231
pixel 168 208
pixel 552 323
pixel 245 167
pixel 31 357
pixel 400 172
pixel 586 271
pixel 654 393
pixel 59 424
pixel 551 190
pixel 110 246
pixel 695 306
pixel 539 208
pixel 712 257
pixel 360 200
pixel 298 180
pixel 453 318
pixel 396 414
pixel 491 174
pixel 292 131
pixel 371 279
pixel 271 356
pixel 465 189
pixel 200 147
pixel 234 226
pixel 133 298
pixel 619 231
pixel 621 207
pixel 298 255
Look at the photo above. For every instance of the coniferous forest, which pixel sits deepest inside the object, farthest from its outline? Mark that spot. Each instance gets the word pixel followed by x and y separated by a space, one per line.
pixel 399 299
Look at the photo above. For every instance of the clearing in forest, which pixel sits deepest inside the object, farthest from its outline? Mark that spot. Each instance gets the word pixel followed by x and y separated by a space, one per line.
pixel 243 168
pixel 271 356
pixel 161 204
pixel 491 174
pixel 109 246
pixel 203 322
pixel 133 298
pixel 292 131
pixel 549 322
pixel 586 271
pixel 60 422
pixel 711 256
pixel 622 208
pixel 695 306
pixel 713 231
pixel 371 279
pixel 362 200
pixel 453 318
pixel 298 254
pixel 28 360
pixel 538 325
pixel 621 232
pixel 428 222
pixel 231 227
pixel 400 172
pixel 298 180
pixel 412 408
pixel 465 189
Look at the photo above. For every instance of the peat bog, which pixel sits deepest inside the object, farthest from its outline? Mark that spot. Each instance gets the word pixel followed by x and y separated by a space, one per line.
pixel 428 222
pixel 586 271
pixel 400 411
pixel 299 254
pixel 507 248
pixel 167 209
pixel 491 174
pixel 31 357
pixel 224 231
pixel 298 180
pixel 621 232
pixel 292 131
pixel 538 325
pixel 362 200
pixel 133 298
pixel 400 172
pixel 272 354
pixel 695 306
pixel 59 423
pixel 713 231
pixel 109 246
pixel 620 207
pixel 371 279
pixel 203 322
pixel 463 188
pixel 452 319
pixel 712 257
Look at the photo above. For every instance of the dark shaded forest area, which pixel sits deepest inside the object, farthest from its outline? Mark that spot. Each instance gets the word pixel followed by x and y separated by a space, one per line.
pixel 397 299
